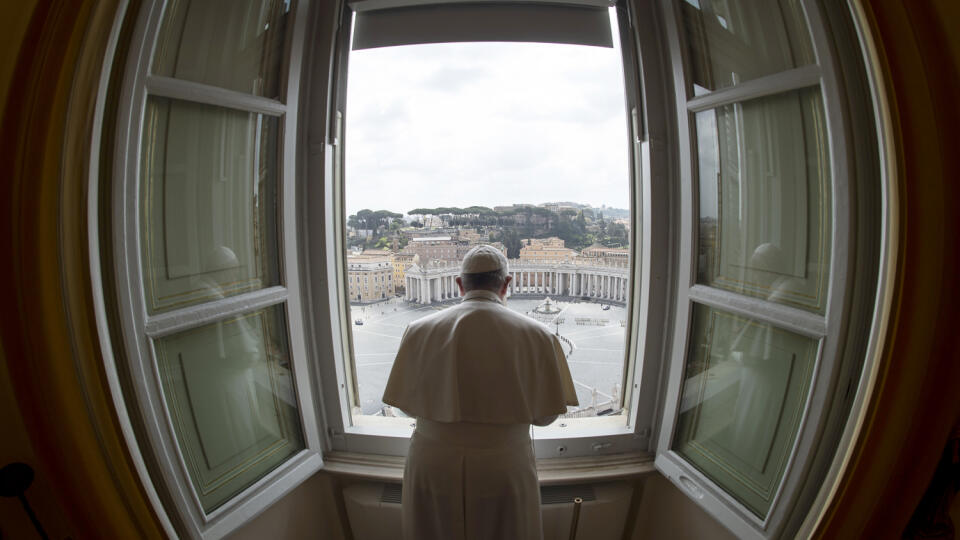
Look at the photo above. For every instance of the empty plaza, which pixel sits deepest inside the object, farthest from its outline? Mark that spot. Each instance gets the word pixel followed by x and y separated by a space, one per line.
pixel 592 333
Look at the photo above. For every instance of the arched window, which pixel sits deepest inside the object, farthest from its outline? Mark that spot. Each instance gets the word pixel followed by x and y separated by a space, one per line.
pixel 757 217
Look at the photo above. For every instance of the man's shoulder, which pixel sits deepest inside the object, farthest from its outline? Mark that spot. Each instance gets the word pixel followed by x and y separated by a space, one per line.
pixel 436 318
pixel 521 321
pixel 479 311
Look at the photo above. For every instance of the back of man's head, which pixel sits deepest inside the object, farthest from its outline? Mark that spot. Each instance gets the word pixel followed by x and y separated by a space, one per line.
pixel 484 267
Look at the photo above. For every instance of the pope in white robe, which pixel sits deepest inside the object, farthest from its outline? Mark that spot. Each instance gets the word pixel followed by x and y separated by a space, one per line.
pixel 476 376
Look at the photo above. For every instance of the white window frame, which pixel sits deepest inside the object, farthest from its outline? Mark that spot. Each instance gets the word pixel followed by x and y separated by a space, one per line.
pixel 145 395
pixel 594 437
pixel 833 372
pixel 315 290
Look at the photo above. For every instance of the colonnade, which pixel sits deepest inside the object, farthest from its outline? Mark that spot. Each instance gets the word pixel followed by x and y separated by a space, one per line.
pixel 602 284
pixel 426 286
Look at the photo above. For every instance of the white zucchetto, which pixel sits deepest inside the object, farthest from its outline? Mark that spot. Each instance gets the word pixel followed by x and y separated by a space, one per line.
pixel 483 258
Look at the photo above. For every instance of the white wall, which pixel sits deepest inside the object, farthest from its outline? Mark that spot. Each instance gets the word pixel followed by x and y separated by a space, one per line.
pixel 315 510
pixel 665 512
pixel 308 512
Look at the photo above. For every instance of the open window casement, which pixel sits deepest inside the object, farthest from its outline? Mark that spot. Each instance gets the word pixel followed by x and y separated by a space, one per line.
pixel 205 238
pixel 761 353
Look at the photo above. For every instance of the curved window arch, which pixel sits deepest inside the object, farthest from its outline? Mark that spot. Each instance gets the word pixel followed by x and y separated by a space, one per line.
pixel 752 291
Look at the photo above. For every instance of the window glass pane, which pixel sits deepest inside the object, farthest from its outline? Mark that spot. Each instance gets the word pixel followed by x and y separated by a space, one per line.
pixel 233 44
pixel 208 203
pixel 230 394
pixel 765 199
pixel 744 392
pixel 732 41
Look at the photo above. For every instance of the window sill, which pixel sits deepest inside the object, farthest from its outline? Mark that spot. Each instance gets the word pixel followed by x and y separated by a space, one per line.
pixel 550 470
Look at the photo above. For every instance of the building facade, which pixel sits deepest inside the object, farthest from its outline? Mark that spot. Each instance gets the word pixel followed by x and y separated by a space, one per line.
pixel 400 262
pixel 606 255
pixel 433 247
pixel 435 282
pixel 546 250
pixel 370 277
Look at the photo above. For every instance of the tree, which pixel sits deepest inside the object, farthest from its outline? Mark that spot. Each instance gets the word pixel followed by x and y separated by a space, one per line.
pixel 512 242
pixel 616 235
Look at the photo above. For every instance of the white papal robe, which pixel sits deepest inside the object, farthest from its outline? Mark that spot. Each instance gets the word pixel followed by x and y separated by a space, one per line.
pixel 475 376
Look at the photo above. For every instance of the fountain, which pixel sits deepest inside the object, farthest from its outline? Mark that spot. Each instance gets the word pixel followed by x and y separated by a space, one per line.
pixel 547 307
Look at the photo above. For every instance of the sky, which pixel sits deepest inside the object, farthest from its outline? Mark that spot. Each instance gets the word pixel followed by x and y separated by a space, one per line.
pixel 486 124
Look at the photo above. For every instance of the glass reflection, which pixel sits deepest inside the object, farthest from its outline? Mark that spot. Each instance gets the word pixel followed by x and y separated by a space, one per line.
pixel 764 182
pixel 208 203
pixel 230 395
pixel 732 41
pixel 233 44
pixel 745 388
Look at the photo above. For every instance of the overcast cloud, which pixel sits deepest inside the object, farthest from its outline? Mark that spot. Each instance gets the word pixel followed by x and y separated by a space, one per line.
pixel 485 124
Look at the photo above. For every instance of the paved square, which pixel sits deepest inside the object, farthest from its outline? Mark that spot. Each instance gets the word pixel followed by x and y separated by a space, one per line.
pixel 595 342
